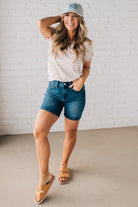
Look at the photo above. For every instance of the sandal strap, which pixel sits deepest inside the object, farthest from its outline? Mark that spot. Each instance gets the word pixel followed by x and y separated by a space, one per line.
pixel 65 170
pixel 42 188
pixel 64 175
pixel 39 190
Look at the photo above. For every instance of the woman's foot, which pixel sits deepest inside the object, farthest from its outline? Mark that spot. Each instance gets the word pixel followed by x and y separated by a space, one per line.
pixel 42 189
pixel 64 175
pixel 45 178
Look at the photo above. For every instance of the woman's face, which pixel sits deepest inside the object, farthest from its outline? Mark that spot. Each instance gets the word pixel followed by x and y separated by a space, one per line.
pixel 71 21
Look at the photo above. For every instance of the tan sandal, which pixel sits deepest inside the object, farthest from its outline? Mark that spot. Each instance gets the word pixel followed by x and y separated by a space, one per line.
pixel 64 173
pixel 42 190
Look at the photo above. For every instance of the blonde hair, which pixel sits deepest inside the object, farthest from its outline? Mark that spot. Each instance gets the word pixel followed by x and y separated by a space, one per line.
pixel 61 41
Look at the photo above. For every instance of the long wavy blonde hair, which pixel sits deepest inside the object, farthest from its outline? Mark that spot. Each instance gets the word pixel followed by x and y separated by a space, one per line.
pixel 60 40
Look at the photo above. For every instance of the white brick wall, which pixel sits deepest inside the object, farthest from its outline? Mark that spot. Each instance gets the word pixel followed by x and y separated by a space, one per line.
pixel 112 87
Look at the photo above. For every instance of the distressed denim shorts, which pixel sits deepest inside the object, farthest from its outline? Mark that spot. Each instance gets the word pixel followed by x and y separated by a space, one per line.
pixel 58 96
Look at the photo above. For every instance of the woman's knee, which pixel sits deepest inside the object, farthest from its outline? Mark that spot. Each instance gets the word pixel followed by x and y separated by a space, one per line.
pixel 71 133
pixel 39 133
pixel 36 132
pixel 43 122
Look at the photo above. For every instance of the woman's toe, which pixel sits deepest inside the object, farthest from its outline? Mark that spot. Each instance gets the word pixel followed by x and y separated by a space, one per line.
pixel 62 179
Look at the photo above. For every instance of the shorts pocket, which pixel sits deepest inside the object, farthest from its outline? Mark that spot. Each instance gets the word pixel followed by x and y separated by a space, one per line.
pixel 53 84
pixel 82 89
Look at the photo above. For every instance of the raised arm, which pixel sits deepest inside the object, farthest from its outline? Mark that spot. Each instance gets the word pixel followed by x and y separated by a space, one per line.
pixel 45 23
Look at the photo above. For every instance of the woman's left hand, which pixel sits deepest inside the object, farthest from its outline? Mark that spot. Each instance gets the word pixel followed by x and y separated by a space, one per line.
pixel 77 84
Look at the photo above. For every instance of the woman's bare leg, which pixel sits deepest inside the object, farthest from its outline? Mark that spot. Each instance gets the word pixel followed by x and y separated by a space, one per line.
pixel 69 142
pixel 44 121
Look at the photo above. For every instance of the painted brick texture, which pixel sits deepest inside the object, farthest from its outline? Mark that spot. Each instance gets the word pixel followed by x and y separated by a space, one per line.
pixel 112 86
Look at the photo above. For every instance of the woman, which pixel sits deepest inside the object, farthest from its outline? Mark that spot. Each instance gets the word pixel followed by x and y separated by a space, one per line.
pixel 69 59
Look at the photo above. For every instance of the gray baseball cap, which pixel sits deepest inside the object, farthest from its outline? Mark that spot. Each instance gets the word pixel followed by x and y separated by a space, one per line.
pixel 74 7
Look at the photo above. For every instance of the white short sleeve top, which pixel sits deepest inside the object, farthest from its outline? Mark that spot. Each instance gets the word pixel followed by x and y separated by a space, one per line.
pixel 62 67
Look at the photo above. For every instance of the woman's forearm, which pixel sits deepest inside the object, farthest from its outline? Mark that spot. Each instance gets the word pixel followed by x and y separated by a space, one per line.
pixel 86 71
pixel 47 21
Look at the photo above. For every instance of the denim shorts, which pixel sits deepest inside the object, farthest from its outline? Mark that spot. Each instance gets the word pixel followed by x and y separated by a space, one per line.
pixel 58 96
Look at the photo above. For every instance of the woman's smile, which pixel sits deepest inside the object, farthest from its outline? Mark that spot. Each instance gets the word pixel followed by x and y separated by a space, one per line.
pixel 70 24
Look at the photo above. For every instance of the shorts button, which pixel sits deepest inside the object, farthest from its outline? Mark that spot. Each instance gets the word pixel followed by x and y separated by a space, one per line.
pixel 64 84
